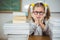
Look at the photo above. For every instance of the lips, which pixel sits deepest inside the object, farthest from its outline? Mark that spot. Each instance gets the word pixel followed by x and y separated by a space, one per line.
pixel 38 17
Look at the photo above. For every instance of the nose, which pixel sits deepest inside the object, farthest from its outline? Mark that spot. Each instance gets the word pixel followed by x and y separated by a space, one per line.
pixel 38 13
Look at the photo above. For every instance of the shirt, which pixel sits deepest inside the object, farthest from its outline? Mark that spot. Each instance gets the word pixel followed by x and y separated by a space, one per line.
pixel 37 30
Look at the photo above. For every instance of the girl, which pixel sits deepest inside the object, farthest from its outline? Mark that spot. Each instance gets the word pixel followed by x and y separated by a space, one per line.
pixel 38 16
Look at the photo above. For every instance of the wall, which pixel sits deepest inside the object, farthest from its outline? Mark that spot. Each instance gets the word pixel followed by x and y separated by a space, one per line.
pixel 53 4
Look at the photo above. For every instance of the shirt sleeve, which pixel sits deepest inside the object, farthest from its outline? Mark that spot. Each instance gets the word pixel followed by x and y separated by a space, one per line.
pixel 47 29
pixel 32 27
pixel 35 29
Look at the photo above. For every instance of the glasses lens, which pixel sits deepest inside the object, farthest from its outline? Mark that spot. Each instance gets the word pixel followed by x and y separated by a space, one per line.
pixel 36 13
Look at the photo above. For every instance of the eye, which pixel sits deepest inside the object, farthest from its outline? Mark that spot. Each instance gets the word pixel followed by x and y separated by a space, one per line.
pixel 37 12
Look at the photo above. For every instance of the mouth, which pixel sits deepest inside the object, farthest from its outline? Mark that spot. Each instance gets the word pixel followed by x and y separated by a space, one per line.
pixel 38 17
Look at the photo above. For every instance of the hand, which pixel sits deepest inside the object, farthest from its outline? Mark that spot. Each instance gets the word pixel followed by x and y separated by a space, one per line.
pixel 41 23
pixel 38 21
pixel 41 18
pixel 35 19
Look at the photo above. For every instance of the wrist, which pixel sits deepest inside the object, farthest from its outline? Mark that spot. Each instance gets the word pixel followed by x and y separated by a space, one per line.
pixel 36 22
pixel 40 23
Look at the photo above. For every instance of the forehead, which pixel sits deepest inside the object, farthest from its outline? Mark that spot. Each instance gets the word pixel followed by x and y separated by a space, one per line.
pixel 39 8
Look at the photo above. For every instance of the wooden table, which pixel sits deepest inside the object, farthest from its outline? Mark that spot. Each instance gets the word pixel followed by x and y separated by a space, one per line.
pixel 39 38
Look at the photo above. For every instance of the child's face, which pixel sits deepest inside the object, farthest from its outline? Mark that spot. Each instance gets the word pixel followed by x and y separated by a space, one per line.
pixel 38 12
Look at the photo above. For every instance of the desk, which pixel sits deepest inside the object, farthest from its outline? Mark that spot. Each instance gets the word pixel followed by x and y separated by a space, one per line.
pixel 39 38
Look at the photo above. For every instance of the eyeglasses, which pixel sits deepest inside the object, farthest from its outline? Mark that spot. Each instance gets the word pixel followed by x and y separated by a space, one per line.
pixel 36 13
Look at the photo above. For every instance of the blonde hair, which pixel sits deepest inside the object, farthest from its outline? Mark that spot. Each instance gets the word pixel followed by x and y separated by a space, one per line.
pixel 38 5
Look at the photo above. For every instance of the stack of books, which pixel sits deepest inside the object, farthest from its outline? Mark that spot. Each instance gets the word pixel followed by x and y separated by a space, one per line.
pixel 19 17
pixel 55 29
pixel 18 29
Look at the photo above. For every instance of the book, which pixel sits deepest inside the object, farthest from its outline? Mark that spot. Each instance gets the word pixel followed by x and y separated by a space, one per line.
pixel 19 21
pixel 18 37
pixel 20 14
pixel 19 18
pixel 19 28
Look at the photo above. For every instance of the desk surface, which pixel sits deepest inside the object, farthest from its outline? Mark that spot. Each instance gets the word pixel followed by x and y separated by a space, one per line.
pixel 39 38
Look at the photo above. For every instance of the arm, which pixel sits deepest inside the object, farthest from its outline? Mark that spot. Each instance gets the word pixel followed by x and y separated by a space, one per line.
pixel 45 28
